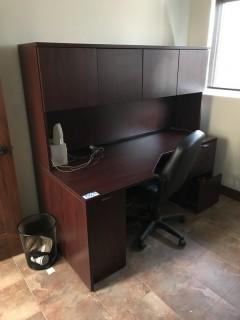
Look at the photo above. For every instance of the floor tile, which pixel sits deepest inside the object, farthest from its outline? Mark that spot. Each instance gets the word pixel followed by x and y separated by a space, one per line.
pixel 64 282
pixel 218 230
pixel 21 262
pixel 226 217
pixel 126 315
pixel 147 260
pixel 201 281
pixel 69 308
pixel 222 201
pixel 37 316
pixel 17 302
pixel 9 272
pixel 207 234
pixel 222 311
pixel 216 273
pixel 184 256
pixel 120 292
pixel 228 248
pixel 152 307
pixel 233 295
pixel 185 295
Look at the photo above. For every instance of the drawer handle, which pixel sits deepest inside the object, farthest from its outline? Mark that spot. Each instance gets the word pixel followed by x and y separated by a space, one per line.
pixel 106 198
pixel 205 145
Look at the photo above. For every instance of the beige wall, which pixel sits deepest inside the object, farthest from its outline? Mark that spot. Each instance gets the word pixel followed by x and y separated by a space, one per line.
pixel 220 117
pixel 220 110
pixel 178 14
pixel 200 22
pixel 107 21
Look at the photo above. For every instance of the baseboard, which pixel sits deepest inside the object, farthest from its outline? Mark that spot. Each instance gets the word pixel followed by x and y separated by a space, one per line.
pixel 231 193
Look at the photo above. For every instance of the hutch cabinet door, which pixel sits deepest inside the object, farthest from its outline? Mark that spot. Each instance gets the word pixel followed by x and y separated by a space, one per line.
pixel 160 69
pixel 69 77
pixel 192 71
pixel 120 75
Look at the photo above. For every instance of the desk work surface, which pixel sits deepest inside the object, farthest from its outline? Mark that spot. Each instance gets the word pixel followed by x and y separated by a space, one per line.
pixel 124 164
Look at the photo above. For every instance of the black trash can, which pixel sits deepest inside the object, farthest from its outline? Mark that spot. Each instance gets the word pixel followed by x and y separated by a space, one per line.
pixel 38 237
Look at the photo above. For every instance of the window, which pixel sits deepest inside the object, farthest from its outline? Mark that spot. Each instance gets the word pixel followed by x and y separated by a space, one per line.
pixel 225 52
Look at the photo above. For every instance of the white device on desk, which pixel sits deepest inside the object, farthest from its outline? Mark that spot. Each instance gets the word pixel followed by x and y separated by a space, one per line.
pixel 58 147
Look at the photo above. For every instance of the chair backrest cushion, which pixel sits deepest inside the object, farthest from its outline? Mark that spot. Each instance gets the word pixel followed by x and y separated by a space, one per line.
pixel 178 167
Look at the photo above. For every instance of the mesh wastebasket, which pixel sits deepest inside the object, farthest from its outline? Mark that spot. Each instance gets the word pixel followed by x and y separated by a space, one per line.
pixel 38 237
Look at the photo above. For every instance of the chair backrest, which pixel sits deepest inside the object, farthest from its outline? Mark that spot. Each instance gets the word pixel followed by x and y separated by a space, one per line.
pixel 175 172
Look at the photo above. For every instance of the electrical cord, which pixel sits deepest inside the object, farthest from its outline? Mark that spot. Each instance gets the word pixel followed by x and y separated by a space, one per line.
pixel 95 156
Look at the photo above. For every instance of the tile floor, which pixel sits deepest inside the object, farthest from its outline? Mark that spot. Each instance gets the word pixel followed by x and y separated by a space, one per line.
pixel 201 281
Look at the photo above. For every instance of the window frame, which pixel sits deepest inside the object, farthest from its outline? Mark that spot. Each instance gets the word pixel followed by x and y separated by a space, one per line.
pixel 214 47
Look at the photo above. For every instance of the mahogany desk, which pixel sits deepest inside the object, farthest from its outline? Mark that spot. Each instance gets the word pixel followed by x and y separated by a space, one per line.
pixel 93 232
pixel 102 94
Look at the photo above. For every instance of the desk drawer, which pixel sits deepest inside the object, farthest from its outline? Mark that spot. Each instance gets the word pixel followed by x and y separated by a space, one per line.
pixel 205 160
pixel 106 217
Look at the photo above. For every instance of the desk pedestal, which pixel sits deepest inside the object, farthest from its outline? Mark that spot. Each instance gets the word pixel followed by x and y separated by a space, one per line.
pixel 92 234
pixel 106 218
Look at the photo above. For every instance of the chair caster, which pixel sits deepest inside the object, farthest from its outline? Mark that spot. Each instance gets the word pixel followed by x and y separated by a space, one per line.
pixel 181 243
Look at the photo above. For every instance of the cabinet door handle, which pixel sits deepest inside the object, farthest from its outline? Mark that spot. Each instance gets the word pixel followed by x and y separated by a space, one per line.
pixel 106 198
pixel 205 145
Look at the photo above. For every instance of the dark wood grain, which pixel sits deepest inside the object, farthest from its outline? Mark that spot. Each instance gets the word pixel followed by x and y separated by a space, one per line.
pixel 4 247
pixel 10 213
pixel 206 192
pixel 160 68
pixel 34 103
pixel 107 234
pixel 92 234
pixel 72 229
pixel 187 111
pixel 125 164
pixel 69 77
pixel 201 190
pixel 199 193
pixel 192 71
pixel 96 125
pixel 120 75
pixel 61 82
pixel 111 46
pixel 131 162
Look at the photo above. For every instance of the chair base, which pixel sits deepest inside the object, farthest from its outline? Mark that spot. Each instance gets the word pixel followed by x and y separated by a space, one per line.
pixel 160 224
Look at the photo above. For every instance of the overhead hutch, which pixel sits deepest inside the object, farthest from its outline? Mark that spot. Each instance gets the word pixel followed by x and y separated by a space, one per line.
pixel 138 102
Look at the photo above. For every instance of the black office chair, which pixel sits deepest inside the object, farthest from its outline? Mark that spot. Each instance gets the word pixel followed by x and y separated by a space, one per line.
pixel 170 176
